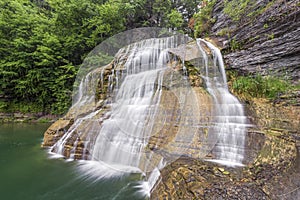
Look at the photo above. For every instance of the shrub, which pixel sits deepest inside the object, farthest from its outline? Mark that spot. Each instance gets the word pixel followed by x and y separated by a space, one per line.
pixel 259 86
pixel 204 20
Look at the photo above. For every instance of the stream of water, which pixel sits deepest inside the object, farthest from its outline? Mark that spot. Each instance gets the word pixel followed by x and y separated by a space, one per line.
pixel 229 121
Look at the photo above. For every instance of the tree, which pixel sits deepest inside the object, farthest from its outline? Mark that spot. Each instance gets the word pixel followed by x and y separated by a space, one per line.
pixel 160 10
pixel 175 20
pixel 43 44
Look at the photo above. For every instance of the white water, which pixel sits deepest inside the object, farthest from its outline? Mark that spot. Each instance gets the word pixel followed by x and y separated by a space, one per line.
pixel 123 137
pixel 229 121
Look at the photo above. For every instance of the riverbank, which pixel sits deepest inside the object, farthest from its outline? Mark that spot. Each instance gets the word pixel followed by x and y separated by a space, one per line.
pixel 19 117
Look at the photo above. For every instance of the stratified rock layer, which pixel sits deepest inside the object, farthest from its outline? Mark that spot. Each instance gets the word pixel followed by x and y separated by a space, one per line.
pixel 193 179
pixel 265 39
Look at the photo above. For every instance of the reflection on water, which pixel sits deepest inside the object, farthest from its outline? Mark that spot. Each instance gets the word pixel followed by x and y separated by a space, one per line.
pixel 27 172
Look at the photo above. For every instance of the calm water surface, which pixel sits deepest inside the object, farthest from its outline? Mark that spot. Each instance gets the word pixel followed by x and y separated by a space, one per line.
pixel 27 172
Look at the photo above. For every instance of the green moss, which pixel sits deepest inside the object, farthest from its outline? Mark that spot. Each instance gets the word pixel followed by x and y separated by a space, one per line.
pixel 44 120
pixel 270 36
pixel 254 38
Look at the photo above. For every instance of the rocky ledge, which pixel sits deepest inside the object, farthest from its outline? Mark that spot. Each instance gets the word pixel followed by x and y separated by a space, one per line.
pixel 26 117
pixel 273 174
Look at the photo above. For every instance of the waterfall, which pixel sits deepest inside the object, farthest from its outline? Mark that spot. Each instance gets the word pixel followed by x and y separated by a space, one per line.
pixel 124 135
pixel 149 115
pixel 229 121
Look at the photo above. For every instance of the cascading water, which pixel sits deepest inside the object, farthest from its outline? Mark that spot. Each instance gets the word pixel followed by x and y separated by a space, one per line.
pixel 120 137
pixel 151 115
pixel 125 134
pixel 229 122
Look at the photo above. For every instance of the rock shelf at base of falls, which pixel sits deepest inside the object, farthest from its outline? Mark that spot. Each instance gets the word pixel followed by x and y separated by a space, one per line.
pixel 273 170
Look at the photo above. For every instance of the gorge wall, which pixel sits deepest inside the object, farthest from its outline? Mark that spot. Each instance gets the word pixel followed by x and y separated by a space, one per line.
pixel 259 36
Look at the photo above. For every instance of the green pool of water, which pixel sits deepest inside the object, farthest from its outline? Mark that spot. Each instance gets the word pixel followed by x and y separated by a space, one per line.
pixel 27 172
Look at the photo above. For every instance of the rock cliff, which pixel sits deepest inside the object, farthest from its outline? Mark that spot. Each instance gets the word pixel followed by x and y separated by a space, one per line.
pixel 262 37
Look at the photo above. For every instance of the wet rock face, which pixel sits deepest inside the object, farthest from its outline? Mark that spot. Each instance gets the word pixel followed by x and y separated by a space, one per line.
pixel 56 131
pixel 264 40
pixel 272 168
pixel 79 140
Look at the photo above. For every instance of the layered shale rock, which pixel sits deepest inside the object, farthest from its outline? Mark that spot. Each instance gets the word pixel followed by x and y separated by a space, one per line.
pixel 264 38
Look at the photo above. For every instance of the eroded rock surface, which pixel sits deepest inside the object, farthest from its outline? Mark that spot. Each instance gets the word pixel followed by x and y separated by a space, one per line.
pixel 193 179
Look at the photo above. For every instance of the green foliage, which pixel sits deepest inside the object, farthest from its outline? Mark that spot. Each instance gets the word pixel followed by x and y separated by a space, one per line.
pixel 224 32
pixel 14 106
pixel 109 19
pixel 234 45
pixel 259 86
pixel 235 8
pixel 261 10
pixel 203 19
pixel 175 20
pixel 160 10
pixel 157 13
pixel 187 9
pixel 43 43
pixel 3 106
